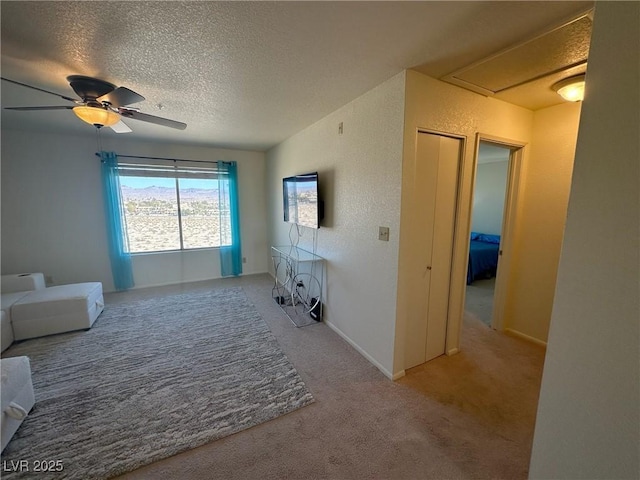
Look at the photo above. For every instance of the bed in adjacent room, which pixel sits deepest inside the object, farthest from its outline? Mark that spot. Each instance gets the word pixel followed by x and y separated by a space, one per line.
pixel 483 256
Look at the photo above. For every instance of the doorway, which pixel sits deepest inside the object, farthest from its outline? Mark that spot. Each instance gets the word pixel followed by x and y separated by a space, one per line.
pixel 487 215
pixel 492 216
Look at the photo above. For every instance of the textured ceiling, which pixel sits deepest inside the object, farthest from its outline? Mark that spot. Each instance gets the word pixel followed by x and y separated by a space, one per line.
pixel 520 73
pixel 246 74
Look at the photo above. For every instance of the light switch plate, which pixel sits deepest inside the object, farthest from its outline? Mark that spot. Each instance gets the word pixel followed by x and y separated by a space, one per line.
pixel 383 234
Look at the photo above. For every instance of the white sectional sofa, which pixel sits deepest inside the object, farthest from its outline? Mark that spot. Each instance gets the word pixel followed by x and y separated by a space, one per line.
pixel 29 309
pixel 6 333
pixel 33 310
pixel 16 390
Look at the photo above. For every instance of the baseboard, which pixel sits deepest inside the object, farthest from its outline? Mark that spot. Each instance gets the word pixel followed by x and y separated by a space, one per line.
pixel 526 337
pixel 359 349
pixel 453 351
pixel 194 280
pixel 172 282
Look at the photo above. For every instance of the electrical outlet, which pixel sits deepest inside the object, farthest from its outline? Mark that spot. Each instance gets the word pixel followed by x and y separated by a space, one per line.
pixel 383 234
pixel 244 259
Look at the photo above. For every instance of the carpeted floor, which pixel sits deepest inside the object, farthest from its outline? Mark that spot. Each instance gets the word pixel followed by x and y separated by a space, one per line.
pixel 479 300
pixel 152 378
pixel 469 416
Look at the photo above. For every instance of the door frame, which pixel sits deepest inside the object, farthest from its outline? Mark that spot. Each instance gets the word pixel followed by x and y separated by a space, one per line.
pixel 509 216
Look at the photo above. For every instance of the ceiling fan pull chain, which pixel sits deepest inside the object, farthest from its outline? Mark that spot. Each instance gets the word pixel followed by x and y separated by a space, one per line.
pixel 99 139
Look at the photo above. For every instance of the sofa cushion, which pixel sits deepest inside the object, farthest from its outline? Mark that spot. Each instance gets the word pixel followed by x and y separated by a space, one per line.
pixel 56 310
pixel 6 331
pixel 56 300
pixel 20 282
pixel 8 299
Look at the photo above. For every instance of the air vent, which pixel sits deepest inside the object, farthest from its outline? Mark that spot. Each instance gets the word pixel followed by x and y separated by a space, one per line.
pixel 560 49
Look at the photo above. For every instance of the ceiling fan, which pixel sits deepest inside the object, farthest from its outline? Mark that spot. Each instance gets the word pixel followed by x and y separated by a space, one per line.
pixel 101 104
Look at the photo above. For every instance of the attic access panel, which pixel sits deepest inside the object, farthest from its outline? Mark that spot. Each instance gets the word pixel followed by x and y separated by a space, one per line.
pixel 562 48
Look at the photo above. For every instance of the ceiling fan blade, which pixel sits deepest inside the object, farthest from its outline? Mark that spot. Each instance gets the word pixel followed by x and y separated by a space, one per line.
pixel 75 100
pixel 121 127
pixel 58 107
pixel 121 96
pixel 143 117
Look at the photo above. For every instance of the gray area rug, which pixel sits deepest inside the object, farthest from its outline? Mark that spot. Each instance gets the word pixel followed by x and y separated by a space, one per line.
pixel 151 379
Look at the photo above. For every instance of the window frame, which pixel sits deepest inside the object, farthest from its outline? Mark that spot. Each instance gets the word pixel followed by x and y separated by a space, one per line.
pixel 172 170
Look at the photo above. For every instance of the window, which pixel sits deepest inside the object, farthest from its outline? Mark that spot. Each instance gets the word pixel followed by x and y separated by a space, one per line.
pixel 171 208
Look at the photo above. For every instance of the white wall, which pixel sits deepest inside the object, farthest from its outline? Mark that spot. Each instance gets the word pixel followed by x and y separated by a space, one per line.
pixel 52 214
pixel 360 177
pixel 488 196
pixel 543 203
pixel 588 415
pixel 53 219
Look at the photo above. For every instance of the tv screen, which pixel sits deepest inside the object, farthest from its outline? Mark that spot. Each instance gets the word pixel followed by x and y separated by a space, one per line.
pixel 301 203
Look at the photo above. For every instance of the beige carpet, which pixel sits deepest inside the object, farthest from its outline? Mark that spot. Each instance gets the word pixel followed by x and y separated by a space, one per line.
pixel 466 416
pixel 479 299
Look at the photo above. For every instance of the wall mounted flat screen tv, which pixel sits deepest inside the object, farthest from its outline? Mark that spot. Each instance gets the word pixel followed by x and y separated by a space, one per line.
pixel 300 200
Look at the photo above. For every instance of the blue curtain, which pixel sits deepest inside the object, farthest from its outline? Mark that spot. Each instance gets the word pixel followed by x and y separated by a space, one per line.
pixel 230 251
pixel 114 214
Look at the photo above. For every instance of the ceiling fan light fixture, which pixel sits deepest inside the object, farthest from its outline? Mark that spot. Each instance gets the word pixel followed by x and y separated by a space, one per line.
pixel 97 116
pixel 571 89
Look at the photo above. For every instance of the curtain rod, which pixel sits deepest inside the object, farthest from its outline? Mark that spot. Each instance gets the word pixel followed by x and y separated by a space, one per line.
pixel 162 158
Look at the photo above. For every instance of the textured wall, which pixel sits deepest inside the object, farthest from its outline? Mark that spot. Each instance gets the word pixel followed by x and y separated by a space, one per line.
pixel 360 176
pixel 589 409
pixel 538 238
pixel 53 220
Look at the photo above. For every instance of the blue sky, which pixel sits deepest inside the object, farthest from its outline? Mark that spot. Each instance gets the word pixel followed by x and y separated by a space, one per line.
pixel 144 182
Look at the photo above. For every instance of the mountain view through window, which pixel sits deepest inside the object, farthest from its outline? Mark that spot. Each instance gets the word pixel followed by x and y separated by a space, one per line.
pixel 165 214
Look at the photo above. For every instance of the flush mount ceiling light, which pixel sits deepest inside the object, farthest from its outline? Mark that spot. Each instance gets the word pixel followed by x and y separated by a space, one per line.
pixel 97 116
pixel 571 89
